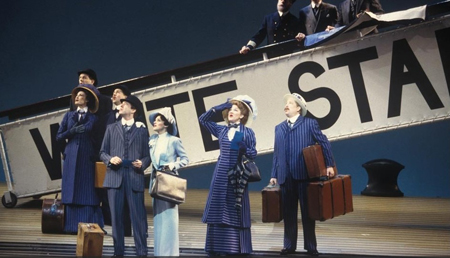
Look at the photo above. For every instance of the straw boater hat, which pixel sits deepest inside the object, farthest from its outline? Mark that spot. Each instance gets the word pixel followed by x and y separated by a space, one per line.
pixel 251 106
pixel 91 91
pixel 167 113
pixel 300 101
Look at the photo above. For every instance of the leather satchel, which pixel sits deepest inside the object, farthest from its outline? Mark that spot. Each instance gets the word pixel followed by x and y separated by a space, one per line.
pixel 52 220
pixel 169 187
pixel 251 167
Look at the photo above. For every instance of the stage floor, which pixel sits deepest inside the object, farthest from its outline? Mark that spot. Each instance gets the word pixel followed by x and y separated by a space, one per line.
pixel 379 226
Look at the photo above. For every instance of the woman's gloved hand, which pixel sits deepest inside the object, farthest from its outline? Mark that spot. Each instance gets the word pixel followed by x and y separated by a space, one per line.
pixel 221 107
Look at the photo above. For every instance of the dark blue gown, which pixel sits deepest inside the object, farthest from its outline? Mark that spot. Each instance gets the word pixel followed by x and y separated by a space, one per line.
pixel 77 189
pixel 228 229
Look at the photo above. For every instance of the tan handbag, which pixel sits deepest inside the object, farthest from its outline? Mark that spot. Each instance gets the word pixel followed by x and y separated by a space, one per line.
pixel 169 187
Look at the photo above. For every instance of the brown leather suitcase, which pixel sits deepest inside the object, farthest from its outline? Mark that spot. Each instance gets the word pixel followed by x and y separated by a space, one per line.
pixel 330 198
pixel 89 240
pixel 100 173
pixel 315 163
pixel 271 204
pixel 52 220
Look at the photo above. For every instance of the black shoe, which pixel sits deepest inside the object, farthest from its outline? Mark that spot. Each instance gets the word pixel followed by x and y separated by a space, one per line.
pixel 286 251
pixel 312 252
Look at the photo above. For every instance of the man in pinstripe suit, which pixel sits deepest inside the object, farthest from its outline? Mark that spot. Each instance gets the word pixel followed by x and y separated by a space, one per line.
pixel 125 151
pixel 289 170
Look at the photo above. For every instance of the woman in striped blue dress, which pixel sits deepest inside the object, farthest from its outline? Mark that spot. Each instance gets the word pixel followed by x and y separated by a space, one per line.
pixel 77 188
pixel 227 213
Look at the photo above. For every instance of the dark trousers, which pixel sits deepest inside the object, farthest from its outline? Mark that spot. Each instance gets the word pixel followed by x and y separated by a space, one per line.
pixel 293 191
pixel 118 197
pixel 103 195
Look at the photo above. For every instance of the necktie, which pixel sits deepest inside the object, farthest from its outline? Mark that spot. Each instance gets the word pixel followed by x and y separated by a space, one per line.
pixel 126 127
pixel 81 114
pixel 290 124
pixel 316 11
pixel 233 125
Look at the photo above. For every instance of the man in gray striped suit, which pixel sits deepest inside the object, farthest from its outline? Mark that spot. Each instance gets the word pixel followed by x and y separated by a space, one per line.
pixel 125 152
pixel 289 170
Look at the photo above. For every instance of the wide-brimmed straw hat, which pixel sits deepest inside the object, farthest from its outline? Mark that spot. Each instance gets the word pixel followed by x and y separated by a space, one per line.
pixel 250 104
pixel 300 101
pixel 167 113
pixel 91 91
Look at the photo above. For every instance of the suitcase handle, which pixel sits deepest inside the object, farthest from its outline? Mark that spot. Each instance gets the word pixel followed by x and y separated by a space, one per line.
pixel 273 186
pixel 56 198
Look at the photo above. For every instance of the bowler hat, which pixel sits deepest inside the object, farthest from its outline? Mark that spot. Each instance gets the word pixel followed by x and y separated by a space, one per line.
pixel 135 102
pixel 124 89
pixel 91 91
pixel 300 101
pixel 167 113
pixel 91 73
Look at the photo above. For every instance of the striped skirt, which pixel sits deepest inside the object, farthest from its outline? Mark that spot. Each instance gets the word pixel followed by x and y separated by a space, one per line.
pixel 73 214
pixel 221 238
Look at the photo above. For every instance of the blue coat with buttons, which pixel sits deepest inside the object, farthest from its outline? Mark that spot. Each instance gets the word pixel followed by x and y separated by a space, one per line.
pixel 277 29
pixel 77 185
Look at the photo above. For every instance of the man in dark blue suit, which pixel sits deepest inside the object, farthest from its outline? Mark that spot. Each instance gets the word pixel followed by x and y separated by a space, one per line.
pixel 289 170
pixel 121 91
pixel 350 10
pixel 277 27
pixel 318 16
pixel 125 152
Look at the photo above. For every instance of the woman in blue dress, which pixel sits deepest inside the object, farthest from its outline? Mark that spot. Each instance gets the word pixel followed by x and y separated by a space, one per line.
pixel 77 188
pixel 227 211
pixel 166 152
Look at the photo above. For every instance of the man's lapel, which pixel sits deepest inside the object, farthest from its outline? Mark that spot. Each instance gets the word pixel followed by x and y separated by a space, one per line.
pixel 119 130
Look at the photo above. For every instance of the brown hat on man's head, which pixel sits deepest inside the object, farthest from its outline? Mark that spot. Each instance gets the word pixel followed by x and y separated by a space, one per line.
pixel 91 73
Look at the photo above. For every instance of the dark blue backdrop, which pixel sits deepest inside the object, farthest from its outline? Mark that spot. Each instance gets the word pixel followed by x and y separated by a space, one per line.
pixel 43 44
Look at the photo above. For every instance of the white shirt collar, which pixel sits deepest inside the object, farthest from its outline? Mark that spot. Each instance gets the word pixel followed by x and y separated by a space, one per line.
pixel 283 14
pixel 129 122
pixel 293 119
pixel 116 107
pixel 314 4
pixel 85 109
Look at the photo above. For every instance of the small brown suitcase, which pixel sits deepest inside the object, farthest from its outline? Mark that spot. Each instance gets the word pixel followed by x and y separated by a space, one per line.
pixel 271 204
pixel 315 163
pixel 100 173
pixel 330 198
pixel 89 240
pixel 52 220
